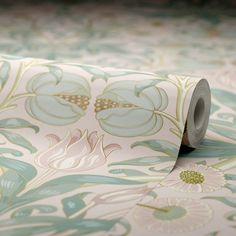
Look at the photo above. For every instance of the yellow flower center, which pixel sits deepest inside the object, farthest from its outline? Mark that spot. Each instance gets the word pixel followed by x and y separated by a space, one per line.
pixel 81 101
pixel 103 104
pixel 192 177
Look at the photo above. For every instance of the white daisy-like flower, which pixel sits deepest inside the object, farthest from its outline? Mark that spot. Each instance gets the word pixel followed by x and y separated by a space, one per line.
pixel 172 215
pixel 195 178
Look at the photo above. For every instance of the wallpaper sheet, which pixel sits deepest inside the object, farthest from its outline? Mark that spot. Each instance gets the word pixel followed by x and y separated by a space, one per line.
pixel 121 182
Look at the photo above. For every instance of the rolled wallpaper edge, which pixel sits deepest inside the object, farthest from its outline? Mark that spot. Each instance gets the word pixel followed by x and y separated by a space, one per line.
pixel 112 131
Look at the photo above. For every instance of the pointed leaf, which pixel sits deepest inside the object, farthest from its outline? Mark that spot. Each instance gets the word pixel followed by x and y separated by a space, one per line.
pixel 212 148
pixel 128 172
pixel 68 183
pixel 225 97
pixel 56 71
pixel 145 84
pixel 231 216
pixel 96 72
pixel 224 131
pixel 231 187
pixel 230 177
pixel 214 108
pixel 26 170
pixel 28 210
pixel 229 201
pixel 15 178
pixel 18 140
pixel 17 123
pixel 11 183
pixel 88 226
pixel 144 161
pixel 29 231
pixel 215 233
pixel 11 151
pixel 73 204
pixel 30 220
pixel 159 145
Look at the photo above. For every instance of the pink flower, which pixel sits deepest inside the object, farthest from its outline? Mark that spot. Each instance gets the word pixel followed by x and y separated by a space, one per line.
pixel 75 152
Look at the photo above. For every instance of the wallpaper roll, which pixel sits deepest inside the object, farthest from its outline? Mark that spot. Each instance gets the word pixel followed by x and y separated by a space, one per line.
pixel 77 137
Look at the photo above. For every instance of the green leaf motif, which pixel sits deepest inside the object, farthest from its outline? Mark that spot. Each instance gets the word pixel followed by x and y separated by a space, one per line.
pixel 18 140
pixel 225 97
pixel 17 123
pixel 145 84
pixel 144 161
pixel 212 148
pixel 160 146
pixel 223 130
pixel 56 71
pixel 31 220
pixel 229 201
pixel 28 210
pixel 73 204
pixel 4 73
pixel 56 225
pixel 230 177
pixel 215 233
pixel 11 183
pixel 231 187
pixel 96 72
pixel 32 230
pixel 106 73
pixel 214 108
pixel 128 172
pixel 231 216
pixel 26 170
pixel 23 231
pixel 68 183
pixel 15 178
pixel 11 151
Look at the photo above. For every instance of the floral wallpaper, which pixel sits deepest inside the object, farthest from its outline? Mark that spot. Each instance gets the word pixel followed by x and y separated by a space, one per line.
pixel 121 185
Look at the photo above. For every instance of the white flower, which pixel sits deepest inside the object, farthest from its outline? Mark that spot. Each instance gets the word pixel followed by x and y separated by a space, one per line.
pixel 75 152
pixel 195 178
pixel 172 215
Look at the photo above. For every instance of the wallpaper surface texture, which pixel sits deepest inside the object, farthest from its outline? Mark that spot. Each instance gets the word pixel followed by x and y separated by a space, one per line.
pixel 59 197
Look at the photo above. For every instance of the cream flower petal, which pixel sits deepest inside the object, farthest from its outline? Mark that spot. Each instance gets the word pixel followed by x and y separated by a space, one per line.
pixel 53 139
pixel 94 159
pixel 93 138
pixel 77 152
pixel 74 154
pixel 76 135
pixel 111 148
pixel 79 148
pixel 195 178
pixel 172 215
pixel 53 153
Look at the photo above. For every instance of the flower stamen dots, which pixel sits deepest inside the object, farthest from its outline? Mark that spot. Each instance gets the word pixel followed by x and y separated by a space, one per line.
pixel 192 177
pixel 81 101
pixel 103 104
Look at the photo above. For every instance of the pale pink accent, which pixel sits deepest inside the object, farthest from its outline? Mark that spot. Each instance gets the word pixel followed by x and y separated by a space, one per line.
pixel 110 148
pixel 76 152
pixel 53 139
pixel 58 150
pixel 76 135
pixel 93 138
